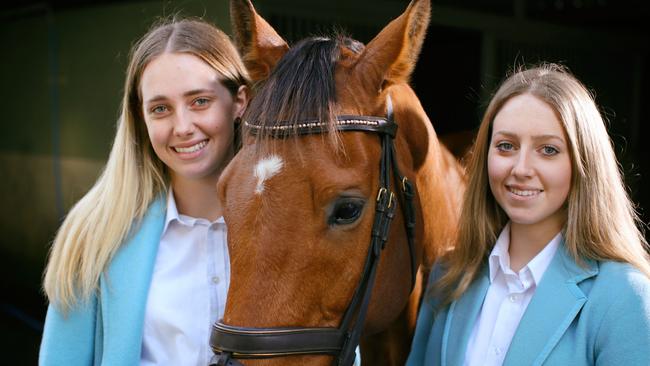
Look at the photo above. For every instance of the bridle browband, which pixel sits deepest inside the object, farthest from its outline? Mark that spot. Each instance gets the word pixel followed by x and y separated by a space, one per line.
pixel 230 343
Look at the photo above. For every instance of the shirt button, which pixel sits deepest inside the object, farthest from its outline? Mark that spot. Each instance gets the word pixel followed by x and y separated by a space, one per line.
pixel 497 351
pixel 513 298
pixel 215 279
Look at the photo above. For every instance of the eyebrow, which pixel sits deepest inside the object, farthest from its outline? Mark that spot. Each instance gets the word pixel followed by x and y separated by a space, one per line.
pixel 190 93
pixel 536 137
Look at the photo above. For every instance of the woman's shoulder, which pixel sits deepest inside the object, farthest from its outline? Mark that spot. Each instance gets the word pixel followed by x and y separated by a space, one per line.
pixel 623 275
pixel 154 214
pixel 619 305
pixel 622 285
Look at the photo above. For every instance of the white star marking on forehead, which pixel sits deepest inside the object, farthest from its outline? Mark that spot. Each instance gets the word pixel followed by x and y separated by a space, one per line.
pixel 265 169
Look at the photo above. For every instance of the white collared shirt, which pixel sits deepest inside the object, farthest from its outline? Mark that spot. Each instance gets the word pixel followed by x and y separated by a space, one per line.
pixel 505 302
pixel 188 290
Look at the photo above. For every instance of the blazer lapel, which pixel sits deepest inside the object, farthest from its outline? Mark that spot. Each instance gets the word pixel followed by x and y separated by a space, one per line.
pixel 461 318
pixel 125 288
pixel 556 302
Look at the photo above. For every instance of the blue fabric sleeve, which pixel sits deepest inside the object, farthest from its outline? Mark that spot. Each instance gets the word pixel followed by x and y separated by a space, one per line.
pixel 424 324
pixel 623 337
pixel 357 358
pixel 69 339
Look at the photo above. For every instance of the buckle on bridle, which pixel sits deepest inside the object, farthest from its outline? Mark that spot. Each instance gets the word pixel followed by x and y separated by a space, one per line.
pixel 381 196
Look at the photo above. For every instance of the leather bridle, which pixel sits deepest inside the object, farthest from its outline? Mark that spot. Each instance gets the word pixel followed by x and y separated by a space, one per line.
pixel 231 343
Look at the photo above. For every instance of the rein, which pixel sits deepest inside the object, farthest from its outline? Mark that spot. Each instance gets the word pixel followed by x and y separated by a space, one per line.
pixel 230 343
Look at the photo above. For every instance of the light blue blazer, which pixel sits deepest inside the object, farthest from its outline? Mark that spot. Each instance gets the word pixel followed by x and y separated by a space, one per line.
pixel 107 329
pixel 597 315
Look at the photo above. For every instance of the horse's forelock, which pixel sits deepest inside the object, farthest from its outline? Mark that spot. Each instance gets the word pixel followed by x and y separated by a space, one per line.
pixel 301 87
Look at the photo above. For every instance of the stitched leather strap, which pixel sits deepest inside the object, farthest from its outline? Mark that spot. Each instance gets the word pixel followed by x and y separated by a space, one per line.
pixel 246 343
pixel 314 127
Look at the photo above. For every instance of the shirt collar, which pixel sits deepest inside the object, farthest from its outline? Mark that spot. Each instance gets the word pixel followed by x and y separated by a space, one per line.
pixel 172 214
pixel 541 261
pixel 172 210
pixel 500 258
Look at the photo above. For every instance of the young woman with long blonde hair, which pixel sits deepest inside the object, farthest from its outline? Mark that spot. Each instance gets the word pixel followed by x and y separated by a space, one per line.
pixel 139 269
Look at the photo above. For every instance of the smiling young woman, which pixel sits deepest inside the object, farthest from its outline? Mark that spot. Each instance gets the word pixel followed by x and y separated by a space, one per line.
pixel 549 266
pixel 140 268
pixel 529 171
pixel 189 116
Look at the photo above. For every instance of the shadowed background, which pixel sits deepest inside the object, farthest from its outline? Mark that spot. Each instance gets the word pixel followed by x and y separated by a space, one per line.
pixel 62 76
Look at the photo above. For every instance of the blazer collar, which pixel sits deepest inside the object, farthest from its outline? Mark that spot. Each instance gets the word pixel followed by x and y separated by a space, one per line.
pixel 125 288
pixel 556 301
pixel 461 317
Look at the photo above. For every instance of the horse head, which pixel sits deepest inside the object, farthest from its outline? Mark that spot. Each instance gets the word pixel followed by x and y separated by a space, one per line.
pixel 301 207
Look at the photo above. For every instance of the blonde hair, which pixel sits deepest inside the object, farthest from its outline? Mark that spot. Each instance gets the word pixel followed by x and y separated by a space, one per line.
pixel 134 176
pixel 602 223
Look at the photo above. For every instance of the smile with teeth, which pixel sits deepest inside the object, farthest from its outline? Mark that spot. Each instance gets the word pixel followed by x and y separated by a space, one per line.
pixel 191 149
pixel 524 193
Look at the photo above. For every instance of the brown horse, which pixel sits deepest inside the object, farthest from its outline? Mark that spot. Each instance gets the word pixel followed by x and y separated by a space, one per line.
pixel 300 207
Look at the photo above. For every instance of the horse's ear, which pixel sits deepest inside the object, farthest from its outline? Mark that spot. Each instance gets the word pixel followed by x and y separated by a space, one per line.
pixel 257 42
pixel 391 56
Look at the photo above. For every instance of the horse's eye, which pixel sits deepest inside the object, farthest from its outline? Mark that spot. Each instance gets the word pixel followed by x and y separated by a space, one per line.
pixel 346 211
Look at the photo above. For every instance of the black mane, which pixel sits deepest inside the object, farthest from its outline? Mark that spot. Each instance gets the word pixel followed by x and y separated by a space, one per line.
pixel 301 87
